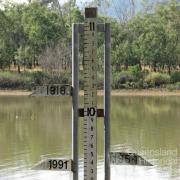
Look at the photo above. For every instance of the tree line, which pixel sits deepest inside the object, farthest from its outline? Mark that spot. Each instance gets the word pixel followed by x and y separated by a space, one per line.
pixel 29 31
pixel 150 38
pixel 39 34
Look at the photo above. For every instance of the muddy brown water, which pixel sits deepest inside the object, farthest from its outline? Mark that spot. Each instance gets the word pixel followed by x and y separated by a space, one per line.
pixel 32 128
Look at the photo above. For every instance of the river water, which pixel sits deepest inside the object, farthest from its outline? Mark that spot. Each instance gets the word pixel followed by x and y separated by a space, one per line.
pixel 33 128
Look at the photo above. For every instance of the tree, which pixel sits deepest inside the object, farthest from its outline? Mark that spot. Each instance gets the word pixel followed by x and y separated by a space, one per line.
pixel 4 55
pixel 42 26
pixel 169 15
pixel 56 59
pixel 17 37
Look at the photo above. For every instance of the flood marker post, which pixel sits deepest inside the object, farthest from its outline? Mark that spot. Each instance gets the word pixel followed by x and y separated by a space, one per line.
pixel 90 29
pixel 90 112
pixel 75 94
pixel 107 99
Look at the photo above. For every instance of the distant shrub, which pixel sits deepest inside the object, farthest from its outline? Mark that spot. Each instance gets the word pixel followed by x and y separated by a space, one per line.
pixel 141 84
pixel 177 86
pixel 40 78
pixel 175 77
pixel 122 77
pixel 27 80
pixel 126 76
pixel 172 87
pixel 136 71
pixel 157 79
pixel 130 85
pixel 62 78
pixel 15 82
pixel 132 78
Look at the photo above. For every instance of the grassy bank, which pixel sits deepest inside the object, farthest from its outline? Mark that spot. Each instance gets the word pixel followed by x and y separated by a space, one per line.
pixel 28 80
pixel 132 79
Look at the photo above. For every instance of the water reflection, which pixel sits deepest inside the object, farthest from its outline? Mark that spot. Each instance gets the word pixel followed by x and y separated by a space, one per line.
pixel 34 127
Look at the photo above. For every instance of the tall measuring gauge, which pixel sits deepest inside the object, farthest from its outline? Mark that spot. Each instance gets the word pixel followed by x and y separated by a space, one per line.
pixel 90 94
pixel 90 112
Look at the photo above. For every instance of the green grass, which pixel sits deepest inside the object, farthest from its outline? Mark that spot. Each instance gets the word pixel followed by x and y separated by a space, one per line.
pixel 14 80
pixel 7 74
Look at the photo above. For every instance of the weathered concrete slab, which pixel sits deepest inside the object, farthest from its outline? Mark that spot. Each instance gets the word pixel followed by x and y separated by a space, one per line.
pixel 122 158
pixel 55 164
pixel 53 90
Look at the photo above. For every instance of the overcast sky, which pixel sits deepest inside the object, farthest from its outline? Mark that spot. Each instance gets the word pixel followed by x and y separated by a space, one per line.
pixel 61 1
pixel 26 1
pixel 111 11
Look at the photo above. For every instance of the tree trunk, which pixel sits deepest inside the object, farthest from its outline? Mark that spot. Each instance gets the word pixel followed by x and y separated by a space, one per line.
pixel 24 64
pixel 169 69
pixel 163 67
pixel 154 67
pixel 126 65
pixel 14 61
pixel 19 69
pixel 34 62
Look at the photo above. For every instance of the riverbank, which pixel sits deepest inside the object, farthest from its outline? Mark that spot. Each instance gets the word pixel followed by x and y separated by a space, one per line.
pixel 15 93
pixel 149 92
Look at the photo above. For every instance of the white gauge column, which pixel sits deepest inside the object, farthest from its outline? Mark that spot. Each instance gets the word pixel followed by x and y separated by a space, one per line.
pixel 90 94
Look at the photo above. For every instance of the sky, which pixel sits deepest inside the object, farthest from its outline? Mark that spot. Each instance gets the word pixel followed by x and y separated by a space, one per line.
pixel 61 1
pixel 113 10
pixel 116 5
pixel 79 2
